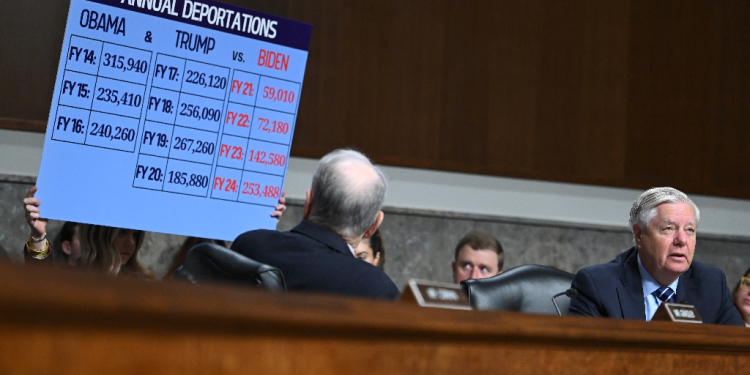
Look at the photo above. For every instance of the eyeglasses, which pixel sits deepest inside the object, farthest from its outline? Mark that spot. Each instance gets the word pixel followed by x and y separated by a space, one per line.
pixel 745 282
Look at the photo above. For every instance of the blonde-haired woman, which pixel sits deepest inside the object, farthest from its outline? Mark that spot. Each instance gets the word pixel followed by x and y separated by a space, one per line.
pixel 113 250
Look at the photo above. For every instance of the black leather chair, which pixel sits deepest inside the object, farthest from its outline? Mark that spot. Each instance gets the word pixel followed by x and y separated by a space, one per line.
pixel 209 262
pixel 527 288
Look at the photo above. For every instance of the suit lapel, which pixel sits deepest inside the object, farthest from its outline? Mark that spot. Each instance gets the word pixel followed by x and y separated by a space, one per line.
pixel 687 289
pixel 630 292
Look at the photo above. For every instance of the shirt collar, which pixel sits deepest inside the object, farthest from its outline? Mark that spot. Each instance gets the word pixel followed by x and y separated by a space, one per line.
pixel 650 284
pixel 351 249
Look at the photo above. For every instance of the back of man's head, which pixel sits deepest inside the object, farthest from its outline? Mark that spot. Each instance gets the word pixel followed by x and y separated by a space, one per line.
pixel 347 193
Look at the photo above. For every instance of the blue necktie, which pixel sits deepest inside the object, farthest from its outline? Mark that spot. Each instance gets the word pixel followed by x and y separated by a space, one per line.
pixel 665 294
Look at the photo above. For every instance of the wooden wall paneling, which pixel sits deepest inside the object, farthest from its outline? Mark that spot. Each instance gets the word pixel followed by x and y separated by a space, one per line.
pixel 601 149
pixel 32 33
pixel 364 66
pixel 559 121
pixel 627 93
pixel 582 95
pixel 727 150
pixel 304 130
pixel 318 125
pixel 463 125
pixel 514 76
pixel 695 58
pixel 413 107
pixel 648 51
pixel 275 7
pixel 671 94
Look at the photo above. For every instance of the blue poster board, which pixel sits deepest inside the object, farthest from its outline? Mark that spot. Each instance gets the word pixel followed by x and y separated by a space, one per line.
pixel 172 116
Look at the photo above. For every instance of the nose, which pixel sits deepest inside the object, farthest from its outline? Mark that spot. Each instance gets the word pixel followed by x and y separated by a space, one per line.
pixel 476 273
pixel 131 240
pixel 680 238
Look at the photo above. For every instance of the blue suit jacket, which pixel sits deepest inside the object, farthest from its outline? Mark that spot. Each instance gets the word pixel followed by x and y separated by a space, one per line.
pixel 614 290
pixel 316 259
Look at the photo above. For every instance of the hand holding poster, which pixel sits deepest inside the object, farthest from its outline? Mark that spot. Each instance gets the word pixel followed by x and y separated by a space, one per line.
pixel 172 116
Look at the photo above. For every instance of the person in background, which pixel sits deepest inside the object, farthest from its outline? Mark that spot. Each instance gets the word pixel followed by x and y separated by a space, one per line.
pixel 741 297
pixel 371 250
pixel 478 255
pixel 111 250
pixel 66 248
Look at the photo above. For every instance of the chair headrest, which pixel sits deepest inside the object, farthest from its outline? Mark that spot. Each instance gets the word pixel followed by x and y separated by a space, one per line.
pixel 208 262
pixel 527 288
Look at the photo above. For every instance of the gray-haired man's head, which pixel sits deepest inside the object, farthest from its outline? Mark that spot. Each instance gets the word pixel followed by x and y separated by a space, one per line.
pixel 644 207
pixel 664 222
pixel 347 193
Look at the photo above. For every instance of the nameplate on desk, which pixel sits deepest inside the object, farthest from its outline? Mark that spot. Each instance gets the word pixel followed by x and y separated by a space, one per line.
pixel 435 294
pixel 677 312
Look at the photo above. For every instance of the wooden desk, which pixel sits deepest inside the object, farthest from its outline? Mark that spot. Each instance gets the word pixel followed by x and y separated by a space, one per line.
pixel 54 321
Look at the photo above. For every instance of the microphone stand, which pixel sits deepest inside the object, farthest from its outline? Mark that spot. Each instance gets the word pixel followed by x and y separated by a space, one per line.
pixel 571 293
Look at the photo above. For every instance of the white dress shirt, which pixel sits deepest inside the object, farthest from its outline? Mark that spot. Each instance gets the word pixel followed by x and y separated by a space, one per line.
pixel 650 285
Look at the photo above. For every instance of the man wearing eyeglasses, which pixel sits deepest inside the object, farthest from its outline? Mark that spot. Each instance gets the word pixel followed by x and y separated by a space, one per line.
pixel 659 268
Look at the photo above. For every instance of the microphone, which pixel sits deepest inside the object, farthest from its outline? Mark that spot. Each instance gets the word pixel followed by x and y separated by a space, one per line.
pixel 570 293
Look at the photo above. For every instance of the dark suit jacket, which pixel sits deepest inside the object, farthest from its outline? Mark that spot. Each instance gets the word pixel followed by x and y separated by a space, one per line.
pixel 614 290
pixel 316 259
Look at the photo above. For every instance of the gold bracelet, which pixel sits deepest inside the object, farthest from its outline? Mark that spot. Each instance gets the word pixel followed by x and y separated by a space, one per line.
pixel 40 239
pixel 38 253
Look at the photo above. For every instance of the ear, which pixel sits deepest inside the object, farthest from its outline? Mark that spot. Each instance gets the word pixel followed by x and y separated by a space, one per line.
pixel 638 232
pixel 306 210
pixel 371 230
pixel 66 247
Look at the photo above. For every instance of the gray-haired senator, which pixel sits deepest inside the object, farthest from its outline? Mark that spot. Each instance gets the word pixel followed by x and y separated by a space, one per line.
pixel 342 207
pixel 658 268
